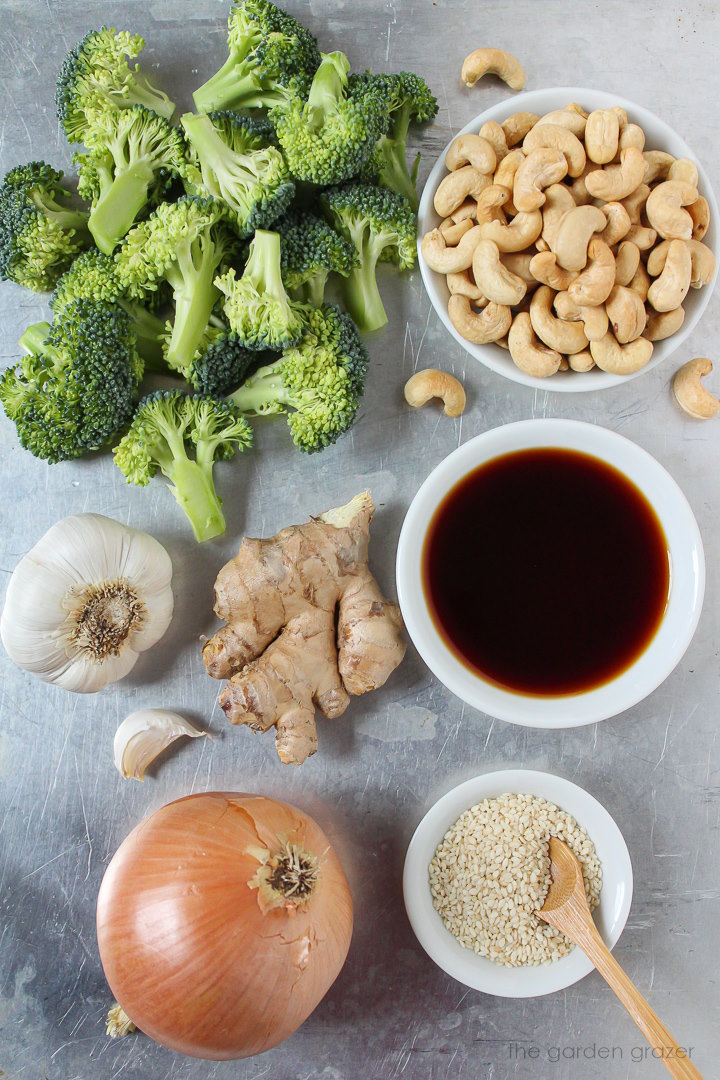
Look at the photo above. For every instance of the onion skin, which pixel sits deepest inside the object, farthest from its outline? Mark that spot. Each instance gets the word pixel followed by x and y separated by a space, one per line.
pixel 184 943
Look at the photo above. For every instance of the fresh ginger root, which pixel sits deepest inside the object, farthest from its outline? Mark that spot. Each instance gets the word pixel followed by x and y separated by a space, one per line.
pixel 307 626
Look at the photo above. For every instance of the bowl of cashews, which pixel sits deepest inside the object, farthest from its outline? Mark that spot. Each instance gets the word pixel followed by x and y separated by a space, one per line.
pixel 568 233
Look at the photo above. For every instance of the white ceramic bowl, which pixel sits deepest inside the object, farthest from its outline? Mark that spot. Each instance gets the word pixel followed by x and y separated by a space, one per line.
pixel 477 971
pixel 687 576
pixel 659 137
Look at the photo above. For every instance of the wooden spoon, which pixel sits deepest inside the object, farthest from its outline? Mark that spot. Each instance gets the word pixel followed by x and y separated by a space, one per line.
pixel 566 908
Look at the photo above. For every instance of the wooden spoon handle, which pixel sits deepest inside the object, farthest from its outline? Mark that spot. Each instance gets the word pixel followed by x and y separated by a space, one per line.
pixel 646 1019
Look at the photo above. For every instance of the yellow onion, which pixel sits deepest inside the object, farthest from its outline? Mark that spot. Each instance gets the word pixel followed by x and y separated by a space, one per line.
pixel 222 922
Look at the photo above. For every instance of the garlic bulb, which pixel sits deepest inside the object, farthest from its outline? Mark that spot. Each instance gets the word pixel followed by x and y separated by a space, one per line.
pixel 145 734
pixel 85 601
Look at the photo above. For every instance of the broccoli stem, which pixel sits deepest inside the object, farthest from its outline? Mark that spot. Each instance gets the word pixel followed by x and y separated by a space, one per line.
pixel 116 209
pixel 263 392
pixel 34 337
pixel 144 93
pixel 195 296
pixel 149 334
pixel 229 89
pixel 360 290
pixel 327 88
pixel 63 218
pixel 313 290
pixel 263 265
pixel 391 150
pixel 192 485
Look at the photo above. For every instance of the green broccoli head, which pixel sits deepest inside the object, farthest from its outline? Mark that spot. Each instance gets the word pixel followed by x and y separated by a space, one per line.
pixel 183 435
pixel 95 77
pixel 409 99
pixel 257 306
pixel 319 383
pixel 40 234
pixel 133 155
pixel 76 387
pixel 328 137
pixel 185 244
pixel 310 250
pixel 229 160
pixel 269 51
pixel 381 226
pixel 222 365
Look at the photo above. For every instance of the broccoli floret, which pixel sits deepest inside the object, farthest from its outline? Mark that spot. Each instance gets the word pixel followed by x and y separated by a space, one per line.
pixel 381 226
pixel 40 234
pixel 268 51
pixel 310 250
pixel 134 154
pixel 319 383
pixel 92 276
pixel 222 365
pixel 409 99
pixel 330 136
pixel 183 435
pixel 76 387
pixel 230 161
pixel 257 307
pixel 95 77
pixel 183 243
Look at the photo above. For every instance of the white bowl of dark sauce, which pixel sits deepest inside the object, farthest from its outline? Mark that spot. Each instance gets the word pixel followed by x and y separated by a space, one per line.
pixel 550 573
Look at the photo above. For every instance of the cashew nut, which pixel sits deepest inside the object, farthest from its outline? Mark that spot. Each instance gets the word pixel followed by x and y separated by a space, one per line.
pixel 640 282
pixel 642 236
pixel 618 223
pixel 621 359
pixel 528 353
pixel 555 137
pixel 567 118
pixel 593 285
pixel 562 336
pixel 630 135
pixel 656 258
pixel 663 324
pixel 430 383
pixel 505 175
pixel 471 150
pixel 699 211
pixel 492 323
pixel 669 290
pixel 664 209
pixel 626 312
pixel 544 268
pixel 573 234
pixel 621 115
pixel 572 106
pixel 691 395
pixel 703 264
pixel 539 170
pixel 594 319
pixel 454 188
pixel 578 188
pixel 558 200
pixel 453 231
pixel 634 203
pixel 519 263
pixel 627 260
pixel 466 209
pixel 517 126
pixel 602 134
pixel 449 260
pixel 541 245
pixel 657 164
pixel 581 361
pixel 617 181
pixel 463 283
pixel 496 137
pixel 497 282
pixel 490 204
pixel 493 62
pixel 522 231
pixel 684 169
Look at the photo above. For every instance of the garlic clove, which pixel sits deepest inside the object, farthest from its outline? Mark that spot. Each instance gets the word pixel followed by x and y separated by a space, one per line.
pixel 145 734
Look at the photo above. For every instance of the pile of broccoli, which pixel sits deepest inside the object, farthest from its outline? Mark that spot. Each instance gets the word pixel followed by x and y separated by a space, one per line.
pixel 201 251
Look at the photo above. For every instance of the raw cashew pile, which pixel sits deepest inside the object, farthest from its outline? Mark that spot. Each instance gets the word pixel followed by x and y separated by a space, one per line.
pixel 567 242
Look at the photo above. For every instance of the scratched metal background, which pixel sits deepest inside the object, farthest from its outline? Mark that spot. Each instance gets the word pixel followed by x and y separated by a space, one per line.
pixel 64 809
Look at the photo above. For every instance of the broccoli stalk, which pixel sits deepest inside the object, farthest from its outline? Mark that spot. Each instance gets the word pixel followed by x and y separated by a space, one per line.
pixel 409 99
pixel 310 251
pixel 184 435
pixel 257 306
pixel 380 224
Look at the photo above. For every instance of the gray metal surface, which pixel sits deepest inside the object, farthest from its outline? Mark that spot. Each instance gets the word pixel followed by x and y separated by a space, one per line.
pixel 63 807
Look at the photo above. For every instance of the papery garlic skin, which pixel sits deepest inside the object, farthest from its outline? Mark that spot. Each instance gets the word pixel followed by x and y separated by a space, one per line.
pixel 87 565
pixel 145 734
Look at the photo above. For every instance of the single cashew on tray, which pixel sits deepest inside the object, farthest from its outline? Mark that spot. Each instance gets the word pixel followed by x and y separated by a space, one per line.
pixel 566 242
pixel 307 626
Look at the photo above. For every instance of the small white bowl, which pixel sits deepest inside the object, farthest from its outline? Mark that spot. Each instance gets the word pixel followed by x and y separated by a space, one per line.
pixel 659 137
pixel 477 971
pixel 687 576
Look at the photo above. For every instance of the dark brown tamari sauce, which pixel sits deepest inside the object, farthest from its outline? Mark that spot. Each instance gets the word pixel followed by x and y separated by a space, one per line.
pixel 546 571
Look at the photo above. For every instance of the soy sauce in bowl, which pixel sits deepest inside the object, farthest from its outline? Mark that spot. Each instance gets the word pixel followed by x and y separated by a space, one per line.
pixel 546 572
